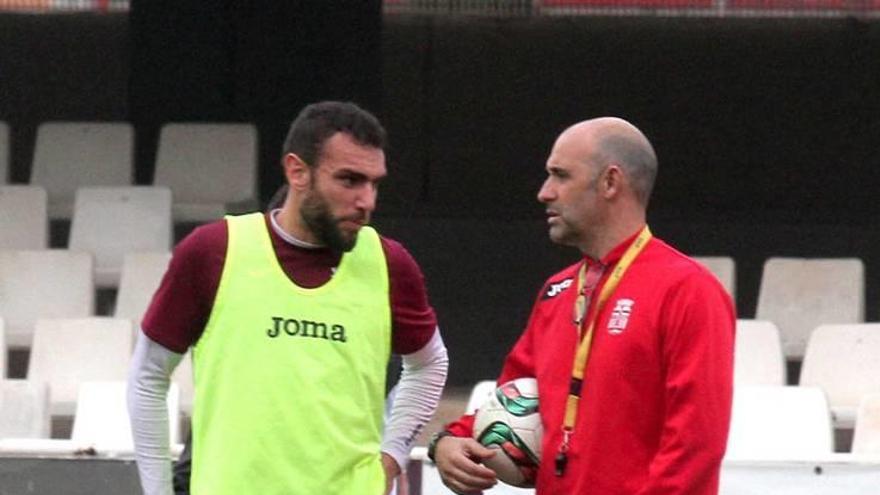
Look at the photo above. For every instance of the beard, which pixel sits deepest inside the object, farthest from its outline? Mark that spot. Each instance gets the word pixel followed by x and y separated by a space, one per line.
pixel 567 233
pixel 315 213
pixel 562 237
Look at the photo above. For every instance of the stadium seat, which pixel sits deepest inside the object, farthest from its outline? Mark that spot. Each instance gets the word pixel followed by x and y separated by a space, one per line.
pixel 800 294
pixel 724 269
pixel 758 356
pixel 480 393
pixel 102 421
pixel 24 409
pixel 210 168
pixel 53 283
pixel 866 438
pixel 70 155
pixel 24 223
pixel 141 274
pixel 112 221
pixel 67 352
pixel 779 423
pixel 4 153
pixel 844 360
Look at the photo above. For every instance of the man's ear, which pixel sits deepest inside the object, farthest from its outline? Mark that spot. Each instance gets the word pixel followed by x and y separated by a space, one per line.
pixel 297 172
pixel 611 181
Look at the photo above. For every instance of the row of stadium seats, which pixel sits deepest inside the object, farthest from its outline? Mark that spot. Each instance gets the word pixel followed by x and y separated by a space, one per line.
pixel 769 420
pixel 841 363
pixel 108 222
pixel 59 283
pixel 799 294
pixel 843 359
pixel 68 354
pixel 776 421
pixel 209 168
pixel 115 230
pixel 812 312
pixel 840 359
pixel 781 442
pixel 48 314
pixel 100 423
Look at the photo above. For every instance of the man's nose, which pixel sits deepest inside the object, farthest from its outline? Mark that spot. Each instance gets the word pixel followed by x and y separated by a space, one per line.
pixel 545 194
pixel 366 198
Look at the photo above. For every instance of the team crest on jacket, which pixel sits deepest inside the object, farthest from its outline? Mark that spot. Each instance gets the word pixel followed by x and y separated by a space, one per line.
pixel 620 316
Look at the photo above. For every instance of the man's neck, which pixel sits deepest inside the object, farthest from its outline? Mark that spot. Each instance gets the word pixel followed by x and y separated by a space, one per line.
pixel 616 233
pixel 292 224
pixel 286 236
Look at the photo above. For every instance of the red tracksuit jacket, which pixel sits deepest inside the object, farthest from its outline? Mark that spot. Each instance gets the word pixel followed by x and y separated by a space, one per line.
pixel 655 406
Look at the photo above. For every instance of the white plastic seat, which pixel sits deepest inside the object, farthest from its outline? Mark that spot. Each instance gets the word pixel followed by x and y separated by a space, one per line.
pixel 480 393
pixel 24 222
pixel 140 277
pixel 102 421
pixel 4 153
pixel 779 423
pixel 210 168
pixel 724 269
pixel 70 155
pixel 800 294
pixel 67 352
pixel 866 437
pixel 758 358
pixel 844 360
pixel 112 221
pixel 24 409
pixel 54 283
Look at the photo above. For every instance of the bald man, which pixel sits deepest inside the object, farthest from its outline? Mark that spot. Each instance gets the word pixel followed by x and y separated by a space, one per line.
pixel 632 346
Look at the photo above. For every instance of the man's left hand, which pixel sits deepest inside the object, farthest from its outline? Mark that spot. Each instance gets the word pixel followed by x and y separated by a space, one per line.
pixel 392 471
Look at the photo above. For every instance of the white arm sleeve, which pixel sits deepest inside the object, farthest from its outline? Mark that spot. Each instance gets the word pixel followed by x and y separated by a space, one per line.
pixel 148 381
pixel 416 397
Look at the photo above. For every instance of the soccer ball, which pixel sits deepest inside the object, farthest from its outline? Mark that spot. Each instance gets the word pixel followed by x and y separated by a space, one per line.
pixel 509 421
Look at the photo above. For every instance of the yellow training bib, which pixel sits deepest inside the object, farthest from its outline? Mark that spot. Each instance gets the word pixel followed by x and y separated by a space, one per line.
pixel 289 381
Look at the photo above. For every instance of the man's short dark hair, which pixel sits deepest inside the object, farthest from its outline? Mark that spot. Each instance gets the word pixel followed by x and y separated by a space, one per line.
pixel 319 121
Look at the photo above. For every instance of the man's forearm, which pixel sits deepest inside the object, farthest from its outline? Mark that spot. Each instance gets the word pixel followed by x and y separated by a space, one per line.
pixel 148 382
pixel 417 395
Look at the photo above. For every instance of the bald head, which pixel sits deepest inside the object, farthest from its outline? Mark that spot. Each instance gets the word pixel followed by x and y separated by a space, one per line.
pixel 611 140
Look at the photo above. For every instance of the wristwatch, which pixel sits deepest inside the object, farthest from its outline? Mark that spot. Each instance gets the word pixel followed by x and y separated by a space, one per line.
pixel 432 446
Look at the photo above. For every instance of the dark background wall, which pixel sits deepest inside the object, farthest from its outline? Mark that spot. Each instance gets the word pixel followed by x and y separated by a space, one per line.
pixel 256 61
pixel 766 129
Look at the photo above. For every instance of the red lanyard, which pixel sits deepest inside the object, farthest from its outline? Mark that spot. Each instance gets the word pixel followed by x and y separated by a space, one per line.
pixel 585 328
